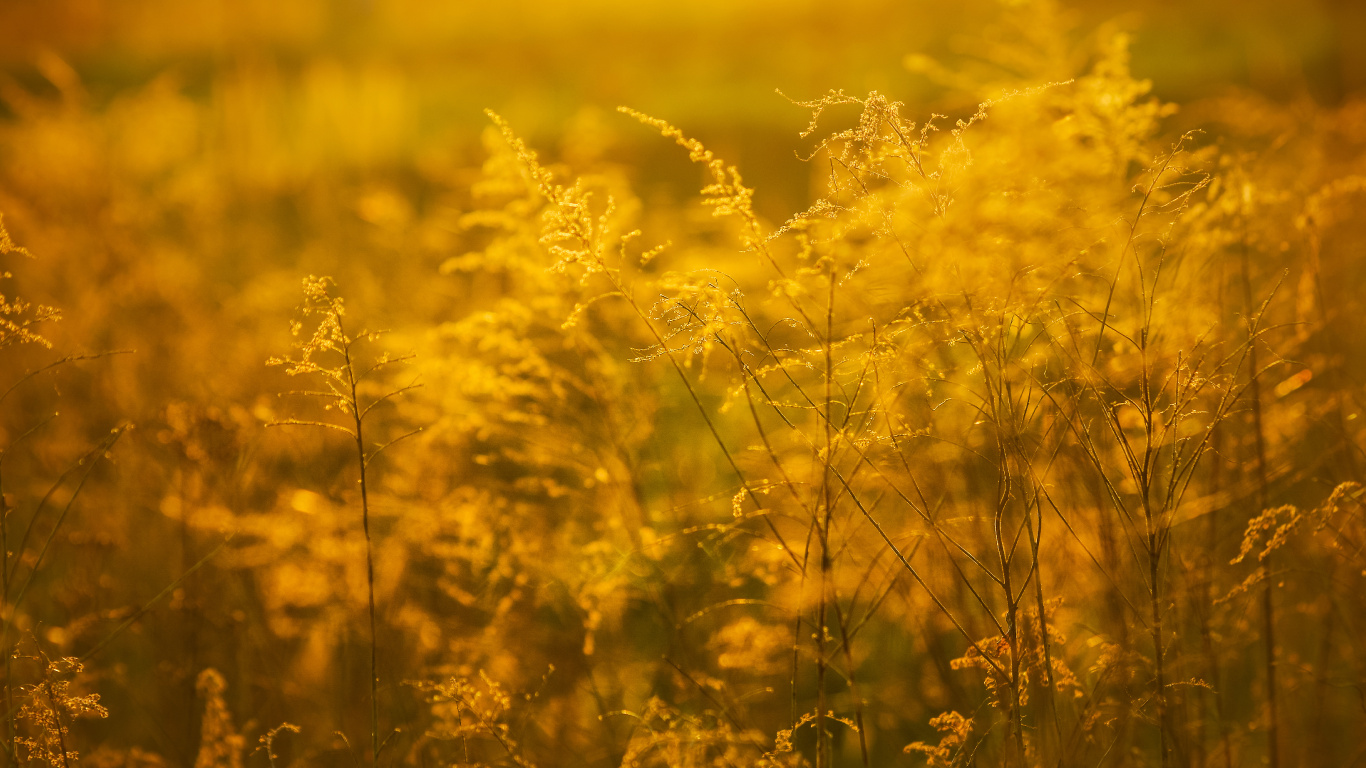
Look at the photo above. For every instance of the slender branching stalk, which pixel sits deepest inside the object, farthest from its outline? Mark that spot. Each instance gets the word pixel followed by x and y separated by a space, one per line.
pixel 331 355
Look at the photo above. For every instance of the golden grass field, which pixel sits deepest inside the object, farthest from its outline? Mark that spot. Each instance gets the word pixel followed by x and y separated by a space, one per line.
pixel 760 384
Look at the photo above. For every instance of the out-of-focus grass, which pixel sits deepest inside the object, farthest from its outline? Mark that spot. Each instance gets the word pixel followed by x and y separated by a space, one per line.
pixel 178 167
pixel 358 82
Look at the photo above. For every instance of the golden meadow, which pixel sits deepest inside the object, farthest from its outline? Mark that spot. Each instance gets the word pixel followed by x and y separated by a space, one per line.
pixel 999 407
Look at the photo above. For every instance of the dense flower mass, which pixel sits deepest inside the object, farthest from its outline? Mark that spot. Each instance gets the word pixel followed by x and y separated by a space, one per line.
pixel 1010 421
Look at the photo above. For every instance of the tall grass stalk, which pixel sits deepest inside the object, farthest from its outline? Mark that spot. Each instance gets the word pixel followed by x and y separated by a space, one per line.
pixel 344 379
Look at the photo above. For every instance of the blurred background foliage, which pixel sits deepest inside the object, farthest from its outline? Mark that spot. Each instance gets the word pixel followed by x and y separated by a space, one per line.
pixel 176 166
pixel 283 93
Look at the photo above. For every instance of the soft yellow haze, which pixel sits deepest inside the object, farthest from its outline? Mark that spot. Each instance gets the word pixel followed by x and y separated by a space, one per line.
pixel 681 384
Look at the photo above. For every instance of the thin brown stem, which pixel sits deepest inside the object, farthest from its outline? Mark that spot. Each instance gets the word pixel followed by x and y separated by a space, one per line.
pixel 361 462
pixel 1267 602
